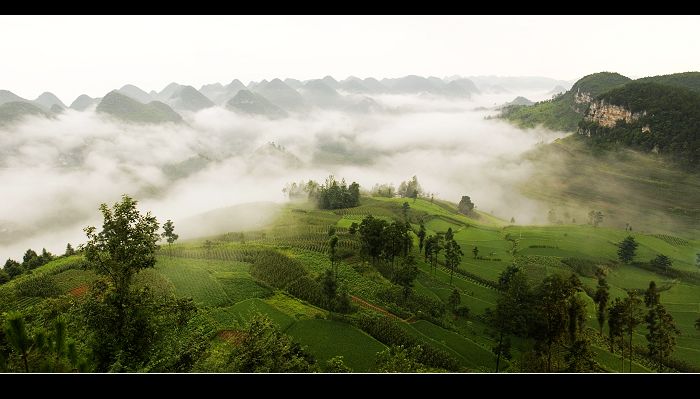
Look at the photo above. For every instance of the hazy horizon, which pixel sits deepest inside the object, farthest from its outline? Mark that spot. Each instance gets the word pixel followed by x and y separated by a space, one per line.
pixel 99 53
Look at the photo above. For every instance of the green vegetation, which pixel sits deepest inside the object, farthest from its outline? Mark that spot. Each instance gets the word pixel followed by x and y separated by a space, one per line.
pixel 668 121
pixel 130 110
pixel 530 298
pixel 14 111
pixel 566 110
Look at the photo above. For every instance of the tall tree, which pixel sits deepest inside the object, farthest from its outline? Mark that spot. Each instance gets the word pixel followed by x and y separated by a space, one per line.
pixel 475 251
pixel 601 298
pixel 330 287
pixel 421 236
pixel 69 250
pixel 552 312
pixel 626 249
pixel 632 317
pixel 404 210
pixel 333 244
pixel 453 254
pixel 580 357
pixel 126 244
pixel 454 299
pixel 13 268
pixel 17 337
pixel 169 234
pixel 616 316
pixel 598 218
pixel 513 308
pixel 406 274
pixel 661 329
pixel 372 237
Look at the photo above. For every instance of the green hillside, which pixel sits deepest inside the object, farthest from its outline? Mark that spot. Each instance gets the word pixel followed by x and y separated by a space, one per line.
pixel 127 109
pixel 646 190
pixel 564 111
pixel 276 271
pixel 14 111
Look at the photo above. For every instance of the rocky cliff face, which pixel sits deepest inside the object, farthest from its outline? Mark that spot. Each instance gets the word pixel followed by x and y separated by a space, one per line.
pixel 607 115
pixel 581 97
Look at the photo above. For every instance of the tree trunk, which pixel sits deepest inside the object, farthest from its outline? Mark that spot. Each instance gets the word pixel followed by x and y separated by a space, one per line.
pixel 622 355
pixel 630 352
pixel 26 364
pixel 549 357
pixel 500 349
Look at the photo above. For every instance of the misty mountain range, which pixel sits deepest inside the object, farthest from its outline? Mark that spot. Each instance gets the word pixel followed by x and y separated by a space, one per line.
pixel 272 99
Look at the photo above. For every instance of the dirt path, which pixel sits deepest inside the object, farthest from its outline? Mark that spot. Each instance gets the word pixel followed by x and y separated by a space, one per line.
pixel 368 305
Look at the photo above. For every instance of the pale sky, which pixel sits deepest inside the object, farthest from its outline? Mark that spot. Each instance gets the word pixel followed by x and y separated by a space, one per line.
pixel 71 55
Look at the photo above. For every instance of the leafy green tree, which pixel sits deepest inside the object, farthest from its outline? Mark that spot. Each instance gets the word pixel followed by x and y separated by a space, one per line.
pixel 126 333
pixel 513 309
pixel 453 255
pixel 662 262
pixel 454 299
pixel 512 220
pixel 17 337
pixel 576 321
pixel 69 250
pixel 598 218
pixel 169 233
pixel 475 251
pixel 421 236
pixel 330 287
pixel 397 359
pixel 13 268
pixel 31 260
pixel 406 274
pixel 336 365
pixel 45 256
pixel 505 277
pixel 265 349
pixel 595 218
pixel 333 254
pixel 372 237
pixel 434 245
pixel 126 244
pixel 661 329
pixel 626 249
pixel 208 244
pixel 601 298
pixel 354 194
pixel 465 206
pixel 551 307
pixel 502 350
pixel 580 357
pixel 410 188
pixel 335 195
pixel 404 210
pixel 4 276
pixel 616 315
pixel 353 228
pixel 632 317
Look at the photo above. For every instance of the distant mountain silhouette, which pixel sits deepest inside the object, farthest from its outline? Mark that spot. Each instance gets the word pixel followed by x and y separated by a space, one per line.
pixel 255 104
pixel 128 109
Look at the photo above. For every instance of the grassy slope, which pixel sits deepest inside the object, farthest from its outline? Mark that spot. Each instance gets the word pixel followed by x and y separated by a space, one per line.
pixel 627 186
pixel 221 283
